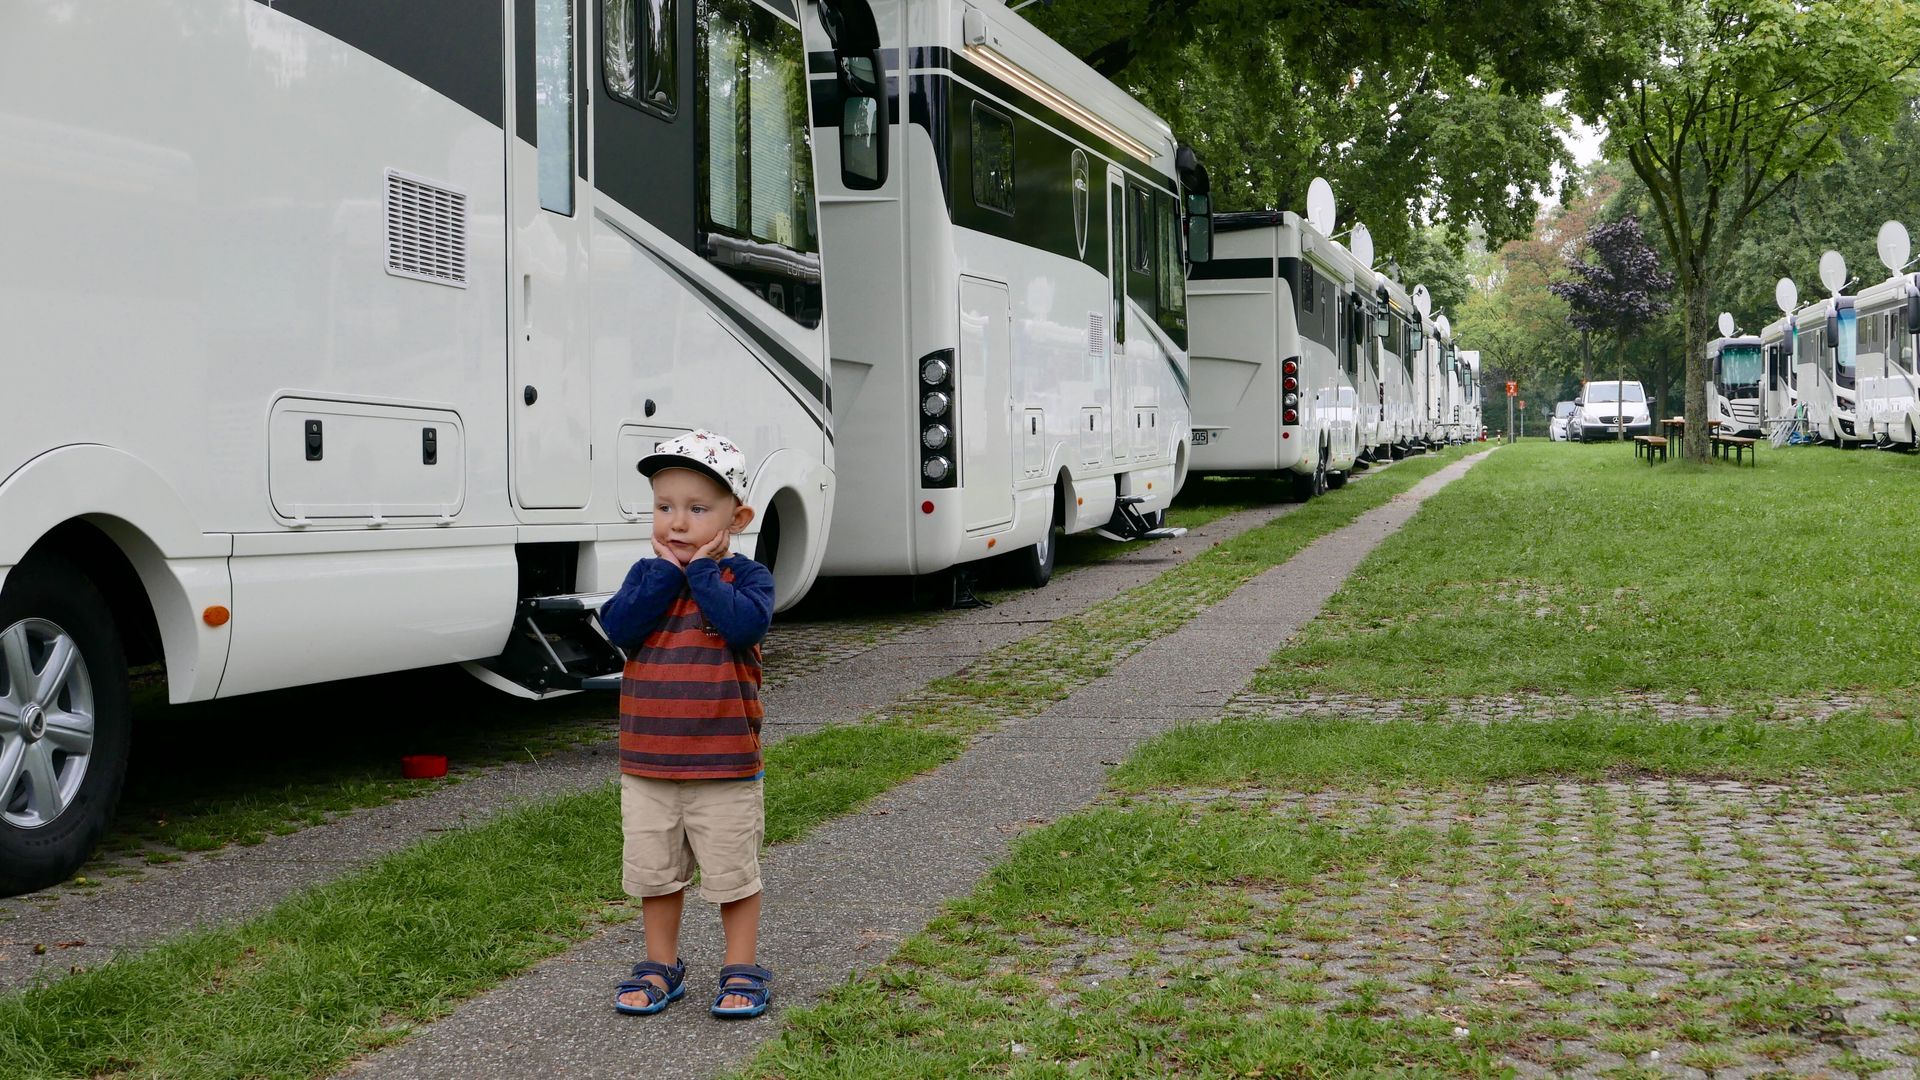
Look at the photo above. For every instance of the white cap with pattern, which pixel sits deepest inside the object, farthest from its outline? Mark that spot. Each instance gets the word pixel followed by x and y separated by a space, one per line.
pixel 702 451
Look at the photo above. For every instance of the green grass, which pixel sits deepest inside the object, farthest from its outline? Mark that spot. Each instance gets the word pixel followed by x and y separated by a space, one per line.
pixel 351 966
pixel 1853 752
pixel 1577 570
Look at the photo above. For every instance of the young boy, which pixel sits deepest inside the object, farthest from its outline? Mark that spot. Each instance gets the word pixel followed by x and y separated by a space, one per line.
pixel 691 620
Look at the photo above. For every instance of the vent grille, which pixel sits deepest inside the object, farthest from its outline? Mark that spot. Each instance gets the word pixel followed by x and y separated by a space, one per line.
pixel 1096 333
pixel 426 231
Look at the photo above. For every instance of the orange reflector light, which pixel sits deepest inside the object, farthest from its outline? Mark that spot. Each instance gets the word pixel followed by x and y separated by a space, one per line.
pixel 216 616
pixel 1080 502
pixel 991 541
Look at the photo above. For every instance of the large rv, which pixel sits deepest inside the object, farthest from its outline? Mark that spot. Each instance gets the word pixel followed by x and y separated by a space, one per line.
pixel 1014 248
pixel 1272 322
pixel 1824 346
pixel 1363 361
pixel 1888 381
pixel 337 330
pixel 1472 408
pixel 1779 395
pixel 1399 359
pixel 1737 371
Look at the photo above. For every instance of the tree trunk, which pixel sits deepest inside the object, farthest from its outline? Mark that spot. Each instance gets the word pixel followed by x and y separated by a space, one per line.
pixel 1697 312
pixel 1663 374
pixel 1586 354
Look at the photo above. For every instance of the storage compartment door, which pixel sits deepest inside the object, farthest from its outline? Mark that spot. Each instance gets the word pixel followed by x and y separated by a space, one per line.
pixel 349 459
pixel 986 404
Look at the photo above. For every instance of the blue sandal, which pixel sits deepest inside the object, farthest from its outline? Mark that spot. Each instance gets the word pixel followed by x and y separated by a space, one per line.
pixel 743 980
pixel 658 998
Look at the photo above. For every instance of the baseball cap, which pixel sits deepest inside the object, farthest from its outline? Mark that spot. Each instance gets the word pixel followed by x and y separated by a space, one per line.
pixel 701 451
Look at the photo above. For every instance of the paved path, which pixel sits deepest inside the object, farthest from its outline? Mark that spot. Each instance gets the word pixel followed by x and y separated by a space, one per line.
pixel 841 899
pixel 87 928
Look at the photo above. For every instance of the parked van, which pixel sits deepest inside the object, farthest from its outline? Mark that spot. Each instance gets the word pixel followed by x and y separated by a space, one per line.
pixel 1610 410
pixel 1006 241
pixel 336 346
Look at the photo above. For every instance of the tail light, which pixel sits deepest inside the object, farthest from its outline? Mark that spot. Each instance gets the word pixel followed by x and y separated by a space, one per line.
pixel 1290 384
pixel 936 422
pixel 1290 416
pixel 1290 367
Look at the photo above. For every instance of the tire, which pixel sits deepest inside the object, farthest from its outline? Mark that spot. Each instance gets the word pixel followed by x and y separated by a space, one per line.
pixel 1308 485
pixel 59 780
pixel 1336 480
pixel 1033 566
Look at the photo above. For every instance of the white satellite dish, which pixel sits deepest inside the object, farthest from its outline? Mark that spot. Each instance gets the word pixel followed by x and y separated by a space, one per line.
pixel 1895 246
pixel 1441 324
pixel 1422 301
pixel 1320 206
pixel 1726 324
pixel 1786 295
pixel 1833 271
pixel 1361 244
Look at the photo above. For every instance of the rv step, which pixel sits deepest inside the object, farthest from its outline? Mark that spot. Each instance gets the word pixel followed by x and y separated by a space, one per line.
pixel 1130 500
pixel 556 646
pixel 568 602
pixel 1166 533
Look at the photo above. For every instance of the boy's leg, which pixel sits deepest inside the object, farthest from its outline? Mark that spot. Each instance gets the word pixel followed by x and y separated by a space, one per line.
pixel 657 864
pixel 740 921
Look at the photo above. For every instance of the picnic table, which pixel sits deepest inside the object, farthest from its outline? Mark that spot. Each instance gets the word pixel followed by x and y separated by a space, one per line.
pixel 1721 444
pixel 1650 445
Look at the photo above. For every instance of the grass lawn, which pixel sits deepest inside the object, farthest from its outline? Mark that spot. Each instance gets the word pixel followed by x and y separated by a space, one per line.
pixel 1577 570
pixel 354 965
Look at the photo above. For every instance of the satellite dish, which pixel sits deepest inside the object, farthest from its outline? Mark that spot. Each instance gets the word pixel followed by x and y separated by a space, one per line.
pixel 1833 271
pixel 1895 246
pixel 1726 324
pixel 1446 328
pixel 1786 295
pixel 1361 244
pixel 1320 206
pixel 1422 302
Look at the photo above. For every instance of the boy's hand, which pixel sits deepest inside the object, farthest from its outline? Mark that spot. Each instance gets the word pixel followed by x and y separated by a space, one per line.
pixel 661 550
pixel 716 548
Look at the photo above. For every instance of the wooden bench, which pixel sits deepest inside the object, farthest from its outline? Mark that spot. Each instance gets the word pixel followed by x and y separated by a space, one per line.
pixel 1738 445
pixel 1649 445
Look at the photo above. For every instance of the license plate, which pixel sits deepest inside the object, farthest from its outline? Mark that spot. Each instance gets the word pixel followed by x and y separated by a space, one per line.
pixel 1200 437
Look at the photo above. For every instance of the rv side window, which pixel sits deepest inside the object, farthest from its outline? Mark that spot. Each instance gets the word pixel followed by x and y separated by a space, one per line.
pixel 1172 271
pixel 1307 287
pixel 755 155
pixel 1140 228
pixel 553 102
pixel 638 61
pixel 992 160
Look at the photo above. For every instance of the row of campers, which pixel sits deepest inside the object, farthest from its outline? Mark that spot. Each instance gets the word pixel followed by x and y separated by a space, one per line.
pixel 333 348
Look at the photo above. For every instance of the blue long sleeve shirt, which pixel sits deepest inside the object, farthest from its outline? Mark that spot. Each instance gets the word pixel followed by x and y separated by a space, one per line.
pixel 740 611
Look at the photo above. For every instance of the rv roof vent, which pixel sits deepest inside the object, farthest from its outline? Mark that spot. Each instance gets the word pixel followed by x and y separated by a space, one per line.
pixel 426 231
pixel 1096 333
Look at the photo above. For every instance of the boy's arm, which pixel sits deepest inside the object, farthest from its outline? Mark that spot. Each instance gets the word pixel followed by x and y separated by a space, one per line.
pixel 628 614
pixel 741 611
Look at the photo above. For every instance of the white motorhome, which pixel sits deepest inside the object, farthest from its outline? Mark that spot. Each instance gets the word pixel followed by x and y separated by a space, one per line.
pixel 338 330
pixel 1272 319
pixel 1018 363
pixel 1778 394
pixel 1472 411
pixel 1824 345
pixel 1362 356
pixel 1399 352
pixel 1737 370
pixel 1885 361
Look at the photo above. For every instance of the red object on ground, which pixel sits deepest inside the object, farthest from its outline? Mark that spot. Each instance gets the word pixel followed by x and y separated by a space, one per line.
pixel 423 766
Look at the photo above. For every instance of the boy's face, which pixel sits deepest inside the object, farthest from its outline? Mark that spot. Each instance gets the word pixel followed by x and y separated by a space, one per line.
pixel 691 508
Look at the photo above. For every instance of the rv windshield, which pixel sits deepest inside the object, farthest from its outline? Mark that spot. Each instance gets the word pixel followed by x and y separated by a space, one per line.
pixel 1740 369
pixel 1848 321
pixel 1610 391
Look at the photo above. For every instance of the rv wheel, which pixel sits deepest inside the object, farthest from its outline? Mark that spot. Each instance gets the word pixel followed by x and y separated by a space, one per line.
pixel 1336 480
pixel 1033 566
pixel 65 723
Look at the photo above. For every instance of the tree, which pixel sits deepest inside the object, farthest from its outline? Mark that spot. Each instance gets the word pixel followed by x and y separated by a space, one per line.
pixel 1613 287
pixel 1412 120
pixel 1732 100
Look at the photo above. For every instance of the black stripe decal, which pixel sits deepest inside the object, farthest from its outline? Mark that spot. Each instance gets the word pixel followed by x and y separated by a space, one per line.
pixel 810 380
pixel 454 47
pixel 1228 269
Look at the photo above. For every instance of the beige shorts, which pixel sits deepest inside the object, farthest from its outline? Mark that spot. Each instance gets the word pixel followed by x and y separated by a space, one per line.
pixel 672 826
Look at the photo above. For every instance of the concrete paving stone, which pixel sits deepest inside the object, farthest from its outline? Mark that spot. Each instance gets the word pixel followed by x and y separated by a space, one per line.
pixel 908 852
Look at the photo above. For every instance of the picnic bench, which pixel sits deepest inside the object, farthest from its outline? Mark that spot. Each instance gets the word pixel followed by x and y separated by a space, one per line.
pixel 1738 446
pixel 1649 445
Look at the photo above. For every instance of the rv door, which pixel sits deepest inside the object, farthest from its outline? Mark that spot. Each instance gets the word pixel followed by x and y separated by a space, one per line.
pixel 549 395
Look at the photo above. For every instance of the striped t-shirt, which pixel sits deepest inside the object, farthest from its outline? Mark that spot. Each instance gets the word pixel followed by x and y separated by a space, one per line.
pixel 690 694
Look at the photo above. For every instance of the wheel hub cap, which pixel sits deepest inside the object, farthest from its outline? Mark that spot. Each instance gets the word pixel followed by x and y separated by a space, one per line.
pixel 33 723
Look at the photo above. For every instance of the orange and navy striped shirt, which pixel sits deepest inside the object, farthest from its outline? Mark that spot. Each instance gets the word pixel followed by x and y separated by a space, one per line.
pixel 690 694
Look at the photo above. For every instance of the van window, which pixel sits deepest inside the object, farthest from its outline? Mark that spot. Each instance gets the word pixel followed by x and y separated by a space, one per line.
pixel 1140 228
pixel 992 159
pixel 638 60
pixel 1172 270
pixel 755 191
pixel 553 102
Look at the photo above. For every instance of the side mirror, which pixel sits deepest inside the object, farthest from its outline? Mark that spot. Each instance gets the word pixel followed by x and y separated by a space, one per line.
pixel 1913 314
pixel 1199 229
pixel 1833 333
pixel 864 122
